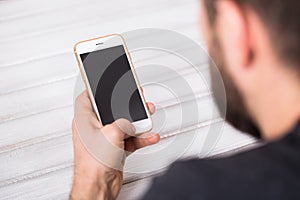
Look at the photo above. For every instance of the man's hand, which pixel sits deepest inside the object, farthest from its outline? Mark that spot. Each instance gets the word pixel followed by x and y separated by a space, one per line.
pixel 99 152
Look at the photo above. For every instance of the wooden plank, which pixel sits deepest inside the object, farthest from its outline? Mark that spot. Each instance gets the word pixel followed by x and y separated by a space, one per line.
pixel 37 100
pixel 59 120
pixel 62 67
pixel 63 40
pixel 17 164
pixel 29 8
pixel 35 126
pixel 60 181
pixel 47 186
pixel 37 73
pixel 46 157
pixel 60 94
pixel 80 13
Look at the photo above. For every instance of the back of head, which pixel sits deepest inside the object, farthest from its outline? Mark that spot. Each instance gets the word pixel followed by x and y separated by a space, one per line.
pixel 281 18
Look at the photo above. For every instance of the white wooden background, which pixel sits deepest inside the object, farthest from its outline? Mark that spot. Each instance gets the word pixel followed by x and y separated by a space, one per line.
pixel 37 76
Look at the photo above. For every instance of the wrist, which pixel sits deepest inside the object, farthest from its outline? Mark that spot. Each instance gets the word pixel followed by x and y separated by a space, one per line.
pixel 104 184
pixel 84 188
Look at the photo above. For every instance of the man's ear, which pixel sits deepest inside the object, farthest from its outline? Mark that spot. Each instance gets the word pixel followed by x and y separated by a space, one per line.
pixel 232 31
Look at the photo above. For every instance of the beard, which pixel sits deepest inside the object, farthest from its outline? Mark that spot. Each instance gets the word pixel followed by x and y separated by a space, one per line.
pixel 230 104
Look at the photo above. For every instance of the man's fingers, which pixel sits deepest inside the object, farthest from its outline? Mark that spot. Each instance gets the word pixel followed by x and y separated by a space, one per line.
pixel 143 142
pixel 118 131
pixel 151 108
pixel 83 104
pixel 83 99
pixel 84 113
pixel 133 144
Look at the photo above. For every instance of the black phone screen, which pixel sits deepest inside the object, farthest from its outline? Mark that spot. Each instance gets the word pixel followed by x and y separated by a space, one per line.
pixel 113 85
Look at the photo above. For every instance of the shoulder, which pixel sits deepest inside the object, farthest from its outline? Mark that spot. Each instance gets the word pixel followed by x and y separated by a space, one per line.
pixel 190 179
pixel 266 172
pixel 180 180
pixel 213 178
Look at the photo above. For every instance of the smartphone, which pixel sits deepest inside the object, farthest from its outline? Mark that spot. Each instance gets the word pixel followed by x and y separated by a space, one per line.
pixel 111 81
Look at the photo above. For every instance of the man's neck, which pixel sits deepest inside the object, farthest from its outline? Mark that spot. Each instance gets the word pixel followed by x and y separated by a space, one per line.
pixel 280 109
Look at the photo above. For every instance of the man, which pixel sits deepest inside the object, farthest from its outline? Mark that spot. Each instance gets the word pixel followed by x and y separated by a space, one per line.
pixel 256 46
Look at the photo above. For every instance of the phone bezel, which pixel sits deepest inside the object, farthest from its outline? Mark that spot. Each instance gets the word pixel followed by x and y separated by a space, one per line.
pixel 87 46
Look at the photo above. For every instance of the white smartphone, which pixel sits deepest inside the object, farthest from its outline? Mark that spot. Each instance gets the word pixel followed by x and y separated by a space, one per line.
pixel 111 81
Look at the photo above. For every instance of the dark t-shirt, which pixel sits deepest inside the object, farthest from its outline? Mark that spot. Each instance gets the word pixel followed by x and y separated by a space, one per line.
pixel 268 172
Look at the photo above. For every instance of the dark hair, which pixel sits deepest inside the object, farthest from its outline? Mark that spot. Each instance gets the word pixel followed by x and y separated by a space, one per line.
pixel 282 20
